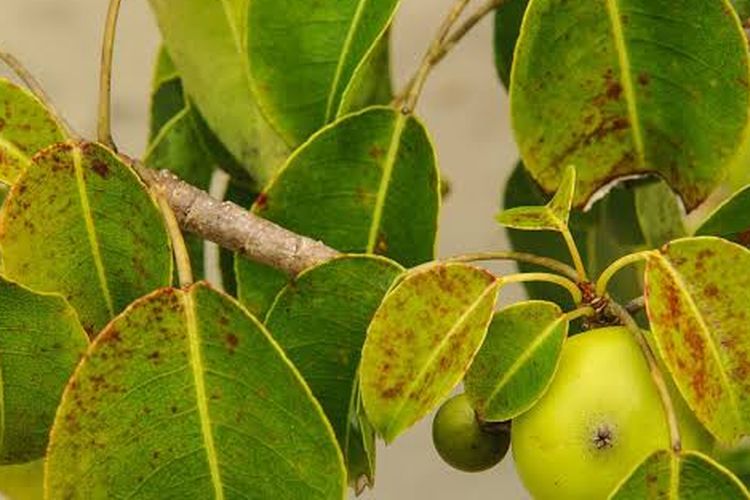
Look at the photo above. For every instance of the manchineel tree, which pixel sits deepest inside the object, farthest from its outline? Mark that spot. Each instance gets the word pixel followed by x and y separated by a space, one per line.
pixel 627 374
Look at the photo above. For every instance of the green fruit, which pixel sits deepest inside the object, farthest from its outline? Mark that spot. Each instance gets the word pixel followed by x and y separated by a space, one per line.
pixel 23 481
pixel 599 419
pixel 462 442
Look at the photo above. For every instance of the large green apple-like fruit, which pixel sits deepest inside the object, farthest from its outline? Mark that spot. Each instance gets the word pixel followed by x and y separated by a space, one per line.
pixel 599 419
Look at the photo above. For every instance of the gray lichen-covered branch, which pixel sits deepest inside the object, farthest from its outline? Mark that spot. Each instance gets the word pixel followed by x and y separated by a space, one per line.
pixel 234 227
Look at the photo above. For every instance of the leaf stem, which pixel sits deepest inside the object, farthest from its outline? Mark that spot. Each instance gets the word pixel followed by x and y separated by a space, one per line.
pixel 35 88
pixel 527 258
pixel 616 266
pixel 104 118
pixel 575 254
pixel 409 96
pixel 181 255
pixel 556 279
pixel 657 376
pixel 581 312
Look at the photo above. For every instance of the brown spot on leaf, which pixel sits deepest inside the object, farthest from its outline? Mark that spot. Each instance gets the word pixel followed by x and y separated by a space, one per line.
pixel 232 342
pixel 644 79
pixel 101 168
pixel 376 152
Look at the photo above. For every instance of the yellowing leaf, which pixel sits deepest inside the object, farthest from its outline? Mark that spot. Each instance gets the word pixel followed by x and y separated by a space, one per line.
pixel 698 301
pixel 624 87
pixel 666 475
pixel 79 222
pixel 185 395
pixel 26 127
pixel 553 216
pixel 421 342
pixel 517 361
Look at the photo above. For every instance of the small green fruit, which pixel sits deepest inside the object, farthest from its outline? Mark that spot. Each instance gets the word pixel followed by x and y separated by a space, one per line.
pixel 599 419
pixel 462 442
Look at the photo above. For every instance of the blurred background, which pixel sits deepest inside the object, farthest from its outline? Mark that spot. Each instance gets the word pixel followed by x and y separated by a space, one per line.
pixel 464 107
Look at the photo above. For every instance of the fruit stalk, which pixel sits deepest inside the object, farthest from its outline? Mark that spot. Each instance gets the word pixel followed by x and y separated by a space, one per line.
pixel 104 121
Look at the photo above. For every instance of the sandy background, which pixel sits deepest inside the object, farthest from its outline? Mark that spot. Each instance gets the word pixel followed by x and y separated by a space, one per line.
pixel 464 107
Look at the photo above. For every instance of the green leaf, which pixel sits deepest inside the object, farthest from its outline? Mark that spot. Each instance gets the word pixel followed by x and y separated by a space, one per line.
pixel 258 285
pixel 366 184
pixel 698 303
pixel 22 482
pixel 41 342
pixel 26 127
pixel 186 396
pixel 422 340
pixel 517 361
pixel 743 9
pixel 320 320
pixel 206 41
pixel 553 216
pixel 303 56
pixel 608 231
pixel 371 84
pixel 79 222
pixel 687 475
pixel 508 18
pixel 731 220
pixel 659 213
pixel 659 86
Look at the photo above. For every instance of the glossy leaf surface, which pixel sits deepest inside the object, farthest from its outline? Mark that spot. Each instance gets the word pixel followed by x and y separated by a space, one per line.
pixel 80 223
pixel 366 184
pixel 186 396
pixel 698 303
pixel 658 86
pixel 421 341
pixel 320 321
pixel 303 55
pixel 689 475
pixel 41 342
pixel 26 127
pixel 218 29
pixel 517 361
pixel 371 84
pixel 508 18
pixel 731 220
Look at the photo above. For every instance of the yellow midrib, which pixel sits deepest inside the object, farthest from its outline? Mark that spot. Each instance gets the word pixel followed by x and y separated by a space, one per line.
pixel 342 58
pixel 13 150
pixel 390 161
pixel 627 78
pixel 91 229
pixel 198 370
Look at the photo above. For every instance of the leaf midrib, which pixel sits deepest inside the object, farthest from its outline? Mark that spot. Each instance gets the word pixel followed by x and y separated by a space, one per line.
pixel 91 229
pixel 198 371
pixel 345 50
pixel 388 166
pixel 626 77
pixel 525 356
pixel 15 152
pixel 438 349
pixel 706 331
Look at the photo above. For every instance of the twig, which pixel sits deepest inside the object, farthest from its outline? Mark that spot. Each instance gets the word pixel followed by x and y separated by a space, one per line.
pixel 636 305
pixel 527 258
pixel 104 118
pixel 656 374
pixel 234 227
pixel 408 97
pixel 33 85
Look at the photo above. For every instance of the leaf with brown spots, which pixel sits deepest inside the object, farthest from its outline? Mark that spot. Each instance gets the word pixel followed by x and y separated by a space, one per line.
pixel 41 342
pixel 731 219
pixel 627 87
pixel 422 340
pixel 698 302
pixel 320 320
pixel 220 413
pixel 368 183
pixel 517 361
pixel 79 222
pixel 26 127
pixel 666 475
pixel 553 216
